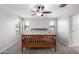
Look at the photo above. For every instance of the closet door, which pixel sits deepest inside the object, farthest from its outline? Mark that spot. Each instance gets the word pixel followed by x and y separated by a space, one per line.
pixel 75 29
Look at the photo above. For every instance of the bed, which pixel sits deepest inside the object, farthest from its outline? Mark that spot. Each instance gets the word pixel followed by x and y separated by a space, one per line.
pixel 38 40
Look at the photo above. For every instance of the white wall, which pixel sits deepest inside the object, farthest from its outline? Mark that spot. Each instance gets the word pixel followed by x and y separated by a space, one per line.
pixel 7 29
pixel 63 29
pixel 40 22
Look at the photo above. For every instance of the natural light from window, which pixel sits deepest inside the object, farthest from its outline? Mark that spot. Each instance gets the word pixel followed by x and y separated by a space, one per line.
pixel 27 23
pixel 51 23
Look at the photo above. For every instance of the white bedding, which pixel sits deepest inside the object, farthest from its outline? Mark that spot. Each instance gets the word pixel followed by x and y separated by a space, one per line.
pixel 46 33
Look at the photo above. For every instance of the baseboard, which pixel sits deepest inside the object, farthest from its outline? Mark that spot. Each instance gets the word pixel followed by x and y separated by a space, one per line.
pixel 60 40
pixel 69 45
pixel 75 44
pixel 9 46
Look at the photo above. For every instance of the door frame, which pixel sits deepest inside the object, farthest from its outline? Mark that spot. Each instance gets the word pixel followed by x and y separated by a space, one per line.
pixel 70 28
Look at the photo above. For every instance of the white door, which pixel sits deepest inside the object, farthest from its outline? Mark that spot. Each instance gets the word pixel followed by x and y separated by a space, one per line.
pixel 75 30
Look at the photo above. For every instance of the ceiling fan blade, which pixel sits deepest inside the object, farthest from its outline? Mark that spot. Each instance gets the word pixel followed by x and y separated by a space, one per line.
pixel 47 12
pixel 63 5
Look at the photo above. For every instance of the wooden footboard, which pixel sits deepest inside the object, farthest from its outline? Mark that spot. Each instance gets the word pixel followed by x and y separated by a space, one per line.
pixel 38 41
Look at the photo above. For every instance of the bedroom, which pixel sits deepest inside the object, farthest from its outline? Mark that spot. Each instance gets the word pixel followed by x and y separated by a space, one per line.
pixel 48 19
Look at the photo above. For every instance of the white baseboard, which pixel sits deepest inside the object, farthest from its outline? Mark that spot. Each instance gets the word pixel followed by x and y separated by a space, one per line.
pixel 9 46
pixel 75 44
pixel 60 40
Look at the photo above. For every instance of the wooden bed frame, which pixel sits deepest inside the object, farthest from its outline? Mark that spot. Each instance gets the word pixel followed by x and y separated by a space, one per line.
pixel 39 41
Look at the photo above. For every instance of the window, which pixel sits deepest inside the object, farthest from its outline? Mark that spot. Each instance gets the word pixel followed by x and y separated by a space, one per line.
pixel 27 25
pixel 52 25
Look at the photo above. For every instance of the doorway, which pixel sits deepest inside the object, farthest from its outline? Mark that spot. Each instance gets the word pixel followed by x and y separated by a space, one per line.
pixel 75 30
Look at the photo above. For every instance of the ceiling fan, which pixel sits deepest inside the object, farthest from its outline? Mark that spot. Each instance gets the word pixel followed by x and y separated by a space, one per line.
pixel 62 5
pixel 39 10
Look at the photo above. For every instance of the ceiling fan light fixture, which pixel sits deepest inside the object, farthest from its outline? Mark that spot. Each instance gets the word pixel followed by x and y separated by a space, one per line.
pixel 39 10
pixel 38 14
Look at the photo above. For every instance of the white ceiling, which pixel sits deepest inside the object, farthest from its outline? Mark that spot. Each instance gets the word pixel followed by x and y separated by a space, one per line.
pixel 25 10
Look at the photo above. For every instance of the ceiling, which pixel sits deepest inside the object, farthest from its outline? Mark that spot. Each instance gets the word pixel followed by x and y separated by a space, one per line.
pixel 25 10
